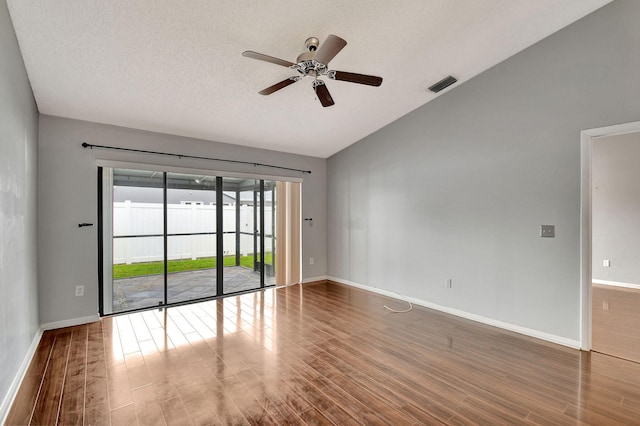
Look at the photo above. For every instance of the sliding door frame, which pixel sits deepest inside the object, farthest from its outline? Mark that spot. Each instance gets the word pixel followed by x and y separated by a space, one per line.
pixel 101 164
pixel 263 234
pixel 165 238
pixel 219 237
pixel 100 245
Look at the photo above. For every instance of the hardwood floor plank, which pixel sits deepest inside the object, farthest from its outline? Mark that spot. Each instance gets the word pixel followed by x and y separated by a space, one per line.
pixel 175 412
pixel 314 417
pixel 549 418
pixel 198 405
pixel 73 395
pixel 125 416
pixel 424 415
pixel 22 408
pixel 322 354
pixel 268 397
pixel 70 418
pixel 616 320
pixel 118 388
pixel 98 415
pixel 360 396
pixel 47 407
pixel 149 413
pixel 320 401
pixel 390 388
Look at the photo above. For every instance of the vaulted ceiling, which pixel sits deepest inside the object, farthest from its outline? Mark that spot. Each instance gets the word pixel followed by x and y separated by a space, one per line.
pixel 177 67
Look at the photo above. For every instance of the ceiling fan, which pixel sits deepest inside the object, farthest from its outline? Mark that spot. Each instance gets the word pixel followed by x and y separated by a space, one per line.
pixel 314 63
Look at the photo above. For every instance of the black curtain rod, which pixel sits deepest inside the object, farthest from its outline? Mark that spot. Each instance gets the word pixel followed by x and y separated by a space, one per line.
pixel 117 148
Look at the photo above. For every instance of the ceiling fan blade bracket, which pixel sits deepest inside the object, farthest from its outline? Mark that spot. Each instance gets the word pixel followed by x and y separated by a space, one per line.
pixel 319 67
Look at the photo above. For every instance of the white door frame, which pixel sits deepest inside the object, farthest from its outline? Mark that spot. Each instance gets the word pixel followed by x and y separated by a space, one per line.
pixel 586 146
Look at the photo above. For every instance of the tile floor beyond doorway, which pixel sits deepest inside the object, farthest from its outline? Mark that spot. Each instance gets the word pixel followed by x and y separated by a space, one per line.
pixel 143 292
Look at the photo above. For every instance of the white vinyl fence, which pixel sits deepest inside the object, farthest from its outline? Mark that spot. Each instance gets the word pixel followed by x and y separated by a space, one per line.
pixel 131 219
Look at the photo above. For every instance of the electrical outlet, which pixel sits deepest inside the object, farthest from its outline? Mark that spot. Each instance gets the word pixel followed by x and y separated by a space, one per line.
pixel 449 283
pixel 311 261
pixel 79 290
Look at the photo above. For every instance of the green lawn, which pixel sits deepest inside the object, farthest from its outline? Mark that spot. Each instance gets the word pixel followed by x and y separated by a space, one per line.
pixel 154 268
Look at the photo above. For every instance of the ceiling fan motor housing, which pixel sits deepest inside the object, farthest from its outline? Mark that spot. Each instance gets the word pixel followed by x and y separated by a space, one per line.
pixel 306 56
pixel 311 44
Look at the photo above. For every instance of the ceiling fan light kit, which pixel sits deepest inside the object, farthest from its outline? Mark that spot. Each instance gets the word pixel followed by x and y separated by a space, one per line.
pixel 314 63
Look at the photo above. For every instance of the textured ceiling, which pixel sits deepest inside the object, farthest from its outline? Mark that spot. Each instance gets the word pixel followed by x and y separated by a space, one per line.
pixel 176 67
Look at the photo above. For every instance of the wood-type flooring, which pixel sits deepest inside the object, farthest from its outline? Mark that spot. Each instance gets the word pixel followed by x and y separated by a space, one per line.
pixel 615 320
pixel 321 353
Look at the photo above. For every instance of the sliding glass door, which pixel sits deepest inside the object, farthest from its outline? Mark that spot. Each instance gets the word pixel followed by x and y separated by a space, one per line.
pixel 169 238
pixel 137 216
pixel 191 237
pixel 241 240
pixel 270 202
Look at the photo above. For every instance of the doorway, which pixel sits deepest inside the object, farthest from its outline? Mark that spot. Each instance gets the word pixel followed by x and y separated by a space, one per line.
pixel 169 238
pixel 616 245
pixel 608 274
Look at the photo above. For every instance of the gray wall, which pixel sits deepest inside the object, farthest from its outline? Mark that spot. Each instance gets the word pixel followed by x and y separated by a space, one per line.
pixel 18 210
pixel 67 196
pixel 458 188
pixel 616 208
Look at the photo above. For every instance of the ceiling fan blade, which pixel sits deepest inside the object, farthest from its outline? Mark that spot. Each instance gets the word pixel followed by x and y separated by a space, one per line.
pixel 281 85
pixel 322 93
pixel 370 80
pixel 329 49
pixel 261 57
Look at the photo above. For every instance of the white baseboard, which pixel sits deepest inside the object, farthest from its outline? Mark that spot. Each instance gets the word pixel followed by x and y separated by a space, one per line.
pixel 571 343
pixel 19 377
pixel 314 279
pixel 616 284
pixel 70 322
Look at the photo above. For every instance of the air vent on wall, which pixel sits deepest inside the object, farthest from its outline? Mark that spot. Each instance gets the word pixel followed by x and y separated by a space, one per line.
pixel 442 84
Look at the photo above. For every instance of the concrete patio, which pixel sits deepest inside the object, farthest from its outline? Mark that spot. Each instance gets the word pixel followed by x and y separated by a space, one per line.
pixel 146 291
